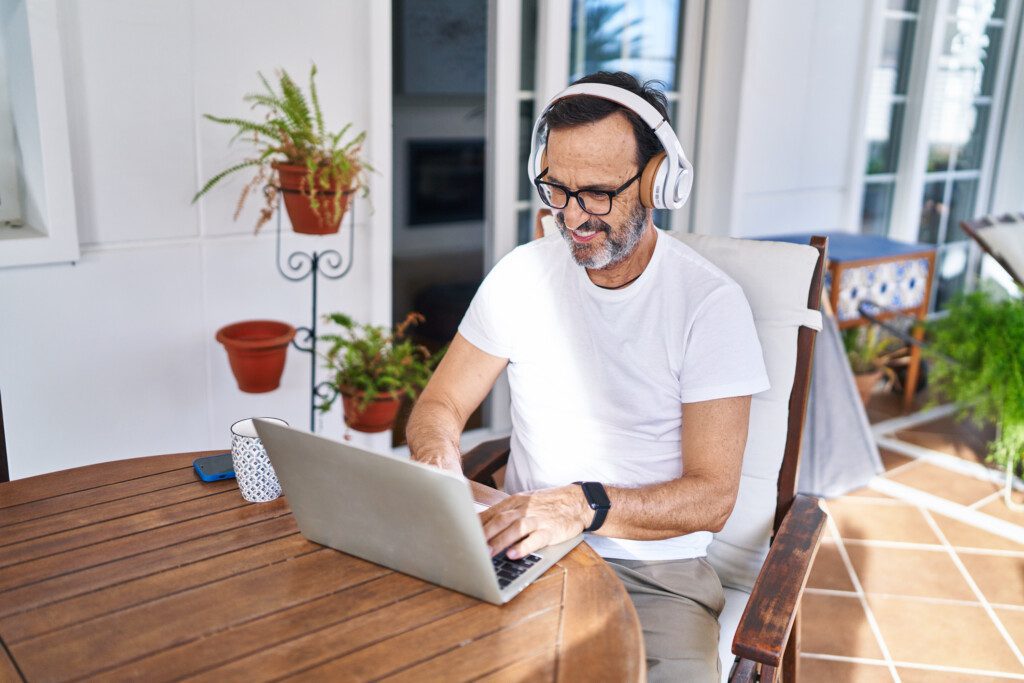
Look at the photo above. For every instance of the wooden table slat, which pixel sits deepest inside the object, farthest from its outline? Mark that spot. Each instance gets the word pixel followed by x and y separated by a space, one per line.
pixel 139 631
pixel 412 647
pixel 121 596
pixel 111 510
pixel 45 486
pixel 77 500
pixel 41 594
pixel 309 619
pixel 535 666
pixel 64 541
pixel 496 650
pixel 102 553
pixel 8 671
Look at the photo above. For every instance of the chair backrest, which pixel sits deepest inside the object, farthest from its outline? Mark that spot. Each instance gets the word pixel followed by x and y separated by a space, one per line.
pixel 1002 238
pixel 5 472
pixel 782 283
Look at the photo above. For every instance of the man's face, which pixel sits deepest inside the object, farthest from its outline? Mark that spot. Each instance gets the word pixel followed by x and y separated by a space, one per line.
pixel 598 156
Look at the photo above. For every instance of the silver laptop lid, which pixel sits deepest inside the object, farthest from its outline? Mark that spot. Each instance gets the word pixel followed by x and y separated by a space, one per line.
pixel 402 514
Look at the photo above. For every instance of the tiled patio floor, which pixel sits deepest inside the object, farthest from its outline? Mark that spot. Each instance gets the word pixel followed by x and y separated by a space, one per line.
pixel 901 591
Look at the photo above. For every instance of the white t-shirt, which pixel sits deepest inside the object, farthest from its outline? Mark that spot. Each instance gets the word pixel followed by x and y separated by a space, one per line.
pixel 598 375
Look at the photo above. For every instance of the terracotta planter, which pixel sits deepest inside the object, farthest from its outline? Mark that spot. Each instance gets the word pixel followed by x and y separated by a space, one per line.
pixel 378 416
pixel 865 384
pixel 256 350
pixel 325 220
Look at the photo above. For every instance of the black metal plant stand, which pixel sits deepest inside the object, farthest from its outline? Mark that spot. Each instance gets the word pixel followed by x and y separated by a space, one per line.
pixel 301 265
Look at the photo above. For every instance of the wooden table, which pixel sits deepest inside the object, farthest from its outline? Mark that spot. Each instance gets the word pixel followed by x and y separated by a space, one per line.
pixel 137 570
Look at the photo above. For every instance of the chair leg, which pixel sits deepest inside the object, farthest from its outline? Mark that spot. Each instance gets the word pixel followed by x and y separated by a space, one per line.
pixel 791 658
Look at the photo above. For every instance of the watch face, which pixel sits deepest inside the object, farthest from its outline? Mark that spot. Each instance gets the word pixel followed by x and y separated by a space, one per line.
pixel 596 495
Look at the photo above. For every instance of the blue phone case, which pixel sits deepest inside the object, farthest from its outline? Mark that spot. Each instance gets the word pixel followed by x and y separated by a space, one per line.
pixel 211 467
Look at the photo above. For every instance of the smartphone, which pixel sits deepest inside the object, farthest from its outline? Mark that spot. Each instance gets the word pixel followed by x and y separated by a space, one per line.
pixel 215 467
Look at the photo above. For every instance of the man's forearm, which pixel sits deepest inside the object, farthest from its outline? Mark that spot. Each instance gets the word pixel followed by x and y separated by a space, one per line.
pixel 433 435
pixel 672 508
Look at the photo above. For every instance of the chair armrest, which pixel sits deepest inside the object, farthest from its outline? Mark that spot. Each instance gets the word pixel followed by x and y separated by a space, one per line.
pixel 481 462
pixel 766 623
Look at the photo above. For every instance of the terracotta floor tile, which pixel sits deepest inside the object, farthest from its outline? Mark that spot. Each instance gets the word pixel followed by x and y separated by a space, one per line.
pixel 1013 620
pixel 899 571
pixel 962 535
pixel 866 493
pixel 997 508
pixel 842 672
pixel 1001 579
pixel 828 570
pixel 834 625
pixel 944 483
pixel 942 634
pixel 927 676
pixel 885 404
pixel 863 519
pixel 891 459
pixel 948 435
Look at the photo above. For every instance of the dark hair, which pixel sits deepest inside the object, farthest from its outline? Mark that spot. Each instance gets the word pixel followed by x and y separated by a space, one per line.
pixel 583 109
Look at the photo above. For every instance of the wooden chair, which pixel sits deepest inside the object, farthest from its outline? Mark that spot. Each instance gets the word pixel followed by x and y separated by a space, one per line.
pixel 765 552
pixel 1002 238
pixel 5 472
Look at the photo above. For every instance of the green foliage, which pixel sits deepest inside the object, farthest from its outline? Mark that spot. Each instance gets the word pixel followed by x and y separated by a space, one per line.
pixel 867 348
pixel 292 132
pixel 376 360
pixel 977 355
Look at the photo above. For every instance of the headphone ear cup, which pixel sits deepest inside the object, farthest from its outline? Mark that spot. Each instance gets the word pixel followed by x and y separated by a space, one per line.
pixel 647 180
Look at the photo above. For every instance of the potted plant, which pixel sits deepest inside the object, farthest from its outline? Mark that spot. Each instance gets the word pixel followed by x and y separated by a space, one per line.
pixel 256 351
pixel 373 367
pixel 977 358
pixel 868 350
pixel 317 171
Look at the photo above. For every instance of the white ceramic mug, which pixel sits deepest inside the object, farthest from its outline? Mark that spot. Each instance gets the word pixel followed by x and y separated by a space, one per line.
pixel 256 477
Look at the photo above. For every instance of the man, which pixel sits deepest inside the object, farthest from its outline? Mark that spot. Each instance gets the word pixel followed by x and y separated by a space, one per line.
pixel 631 361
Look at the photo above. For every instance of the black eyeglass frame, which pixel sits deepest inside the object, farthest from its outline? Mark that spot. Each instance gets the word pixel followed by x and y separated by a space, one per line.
pixel 570 194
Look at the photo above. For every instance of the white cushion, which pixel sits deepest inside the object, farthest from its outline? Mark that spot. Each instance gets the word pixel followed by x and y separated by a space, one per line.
pixel 1006 239
pixel 775 277
pixel 729 620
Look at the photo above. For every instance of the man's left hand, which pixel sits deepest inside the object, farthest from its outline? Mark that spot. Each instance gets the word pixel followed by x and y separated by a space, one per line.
pixel 536 519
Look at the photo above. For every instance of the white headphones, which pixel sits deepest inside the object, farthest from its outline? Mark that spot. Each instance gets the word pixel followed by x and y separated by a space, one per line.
pixel 667 178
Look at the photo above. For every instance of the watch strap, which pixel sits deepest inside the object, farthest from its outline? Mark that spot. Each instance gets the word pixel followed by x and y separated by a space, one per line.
pixel 600 508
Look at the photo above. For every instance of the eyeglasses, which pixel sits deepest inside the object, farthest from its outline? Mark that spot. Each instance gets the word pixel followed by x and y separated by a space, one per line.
pixel 594 202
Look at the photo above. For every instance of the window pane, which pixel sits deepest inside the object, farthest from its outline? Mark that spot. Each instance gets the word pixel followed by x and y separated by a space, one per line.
pixel 877 207
pixel 528 45
pixel 977 10
pixel 525 222
pixel 969 49
pixel 893 70
pixel 999 12
pixel 525 135
pixel 932 212
pixel 969 154
pixel 638 36
pixel 951 274
pixel 883 134
pixel 903 5
pixel 961 208
pixel 994 38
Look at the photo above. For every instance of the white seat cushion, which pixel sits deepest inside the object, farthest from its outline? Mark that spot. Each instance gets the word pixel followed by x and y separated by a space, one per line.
pixel 776 278
pixel 735 602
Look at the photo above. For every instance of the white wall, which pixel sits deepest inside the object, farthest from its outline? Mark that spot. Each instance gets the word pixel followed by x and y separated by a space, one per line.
pixel 115 356
pixel 781 88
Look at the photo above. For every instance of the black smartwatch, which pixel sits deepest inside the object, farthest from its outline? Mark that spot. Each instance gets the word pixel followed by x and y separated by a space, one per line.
pixel 597 499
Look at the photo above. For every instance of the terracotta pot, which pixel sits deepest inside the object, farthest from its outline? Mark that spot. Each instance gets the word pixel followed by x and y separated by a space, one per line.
pixel 378 416
pixel 322 221
pixel 256 350
pixel 866 383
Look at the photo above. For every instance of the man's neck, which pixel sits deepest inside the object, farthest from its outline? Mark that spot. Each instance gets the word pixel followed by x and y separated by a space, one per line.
pixel 629 269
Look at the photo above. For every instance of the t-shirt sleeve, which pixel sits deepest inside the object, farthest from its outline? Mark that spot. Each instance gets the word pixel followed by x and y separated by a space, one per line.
pixel 722 357
pixel 490 322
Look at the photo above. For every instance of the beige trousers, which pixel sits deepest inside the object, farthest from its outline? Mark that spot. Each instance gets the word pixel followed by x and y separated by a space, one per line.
pixel 678 602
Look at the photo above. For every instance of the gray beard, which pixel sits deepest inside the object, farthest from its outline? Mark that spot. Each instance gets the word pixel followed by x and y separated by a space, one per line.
pixel 614 249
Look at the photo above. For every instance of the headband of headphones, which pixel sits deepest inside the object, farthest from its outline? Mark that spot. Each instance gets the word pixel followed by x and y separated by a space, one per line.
pixel 668 177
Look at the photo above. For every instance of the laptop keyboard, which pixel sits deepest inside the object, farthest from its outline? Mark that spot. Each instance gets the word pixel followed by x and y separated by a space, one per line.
pixel 509 570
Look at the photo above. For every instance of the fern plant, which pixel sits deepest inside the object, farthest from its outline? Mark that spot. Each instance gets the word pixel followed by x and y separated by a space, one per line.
pixel 376 361
pixel 292 132
pixel 977 355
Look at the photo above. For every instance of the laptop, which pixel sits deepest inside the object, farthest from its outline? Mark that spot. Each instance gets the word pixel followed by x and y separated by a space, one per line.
pixel 405 515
